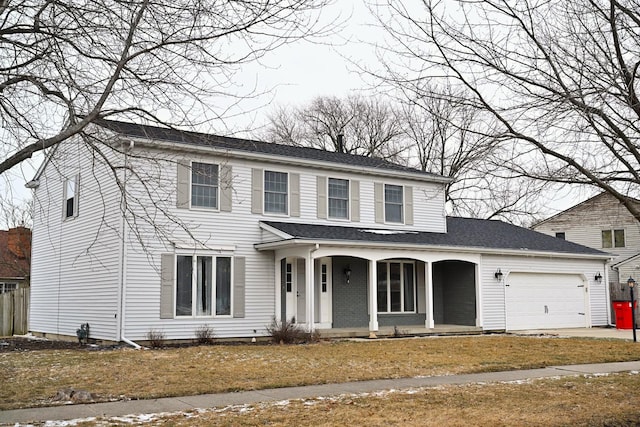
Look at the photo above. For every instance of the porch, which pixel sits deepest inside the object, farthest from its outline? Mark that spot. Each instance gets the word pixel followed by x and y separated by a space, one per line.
pixel 400 331
pixel 376 294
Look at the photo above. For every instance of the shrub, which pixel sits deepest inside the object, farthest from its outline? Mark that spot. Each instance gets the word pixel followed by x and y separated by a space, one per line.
pixel 205 335
pixel 155 338
pixel 286 332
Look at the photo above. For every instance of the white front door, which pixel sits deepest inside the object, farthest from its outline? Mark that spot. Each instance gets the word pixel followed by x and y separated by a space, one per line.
pixel 325 290
pixel 294 287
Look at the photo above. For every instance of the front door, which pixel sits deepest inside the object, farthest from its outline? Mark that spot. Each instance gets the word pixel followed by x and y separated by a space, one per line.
pixel 294 287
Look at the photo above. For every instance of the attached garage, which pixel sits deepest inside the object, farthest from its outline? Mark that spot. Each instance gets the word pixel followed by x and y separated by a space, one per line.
pixel 542 301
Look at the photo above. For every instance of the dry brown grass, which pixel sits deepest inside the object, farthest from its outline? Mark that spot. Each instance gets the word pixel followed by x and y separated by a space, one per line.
pixel 32 378
pixel 573 401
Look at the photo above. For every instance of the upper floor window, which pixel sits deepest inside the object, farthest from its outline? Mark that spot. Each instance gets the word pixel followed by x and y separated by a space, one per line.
pixel 613 239
pixel 561 235
pixel 276 192
pixel 204 185
pixel 393 203
pixel 203 286
pixel 71 197
pixel 338 198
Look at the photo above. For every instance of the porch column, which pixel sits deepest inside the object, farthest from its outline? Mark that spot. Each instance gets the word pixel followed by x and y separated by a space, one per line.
pixel 373 298
pixel 428 283
pixel 278 289
pixel 309 284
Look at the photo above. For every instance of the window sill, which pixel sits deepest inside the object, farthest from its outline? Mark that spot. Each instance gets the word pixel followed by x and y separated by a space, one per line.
pixel 203 209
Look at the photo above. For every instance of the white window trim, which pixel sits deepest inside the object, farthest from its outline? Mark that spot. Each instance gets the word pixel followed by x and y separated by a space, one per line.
pixel 203 208
pixel 415 288
pixel 264 193
pixel 194 285
pixel 335 218
pixel 613 238
pixel 75 179
pixel 3 287
pixel 384 204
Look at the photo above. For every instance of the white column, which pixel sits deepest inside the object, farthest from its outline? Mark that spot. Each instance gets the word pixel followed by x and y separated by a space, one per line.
pixel 373 299
pixel 428 283
pixel 278 289
pixel 310 303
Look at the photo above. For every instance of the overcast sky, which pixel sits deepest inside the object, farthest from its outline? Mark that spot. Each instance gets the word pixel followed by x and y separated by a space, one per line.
pixel 296 73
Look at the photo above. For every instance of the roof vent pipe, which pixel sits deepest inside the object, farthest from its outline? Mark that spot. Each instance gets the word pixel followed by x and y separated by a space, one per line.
pixel 340 143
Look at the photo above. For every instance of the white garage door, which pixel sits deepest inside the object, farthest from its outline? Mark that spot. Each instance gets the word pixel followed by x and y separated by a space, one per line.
pixel 543 301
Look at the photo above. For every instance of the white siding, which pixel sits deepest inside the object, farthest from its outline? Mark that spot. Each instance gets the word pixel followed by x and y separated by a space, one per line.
pixel 493 296
pixel 239 230
pixel 74 273
pixel 584 223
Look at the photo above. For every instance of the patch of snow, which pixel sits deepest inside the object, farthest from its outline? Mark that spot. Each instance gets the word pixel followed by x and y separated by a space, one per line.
pixel 29 336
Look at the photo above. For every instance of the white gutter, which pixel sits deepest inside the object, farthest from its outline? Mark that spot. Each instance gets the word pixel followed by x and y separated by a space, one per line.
pixel 123 256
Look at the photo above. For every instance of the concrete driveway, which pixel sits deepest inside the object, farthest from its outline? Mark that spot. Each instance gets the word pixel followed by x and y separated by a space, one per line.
pixel 613 333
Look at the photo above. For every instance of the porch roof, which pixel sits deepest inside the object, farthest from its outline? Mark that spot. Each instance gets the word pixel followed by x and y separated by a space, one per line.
pixel 462 233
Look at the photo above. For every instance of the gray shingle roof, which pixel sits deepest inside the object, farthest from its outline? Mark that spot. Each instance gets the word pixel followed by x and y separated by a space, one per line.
pixel 228 143
pixel 461 232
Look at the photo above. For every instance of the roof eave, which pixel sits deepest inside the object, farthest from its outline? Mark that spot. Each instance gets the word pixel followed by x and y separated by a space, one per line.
pixel 442 248
pixel 273 158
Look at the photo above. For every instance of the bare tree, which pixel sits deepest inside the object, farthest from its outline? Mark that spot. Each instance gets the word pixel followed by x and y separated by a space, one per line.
pixel 558 78
pixel 65 64
pixel 369 126
pixel 449 138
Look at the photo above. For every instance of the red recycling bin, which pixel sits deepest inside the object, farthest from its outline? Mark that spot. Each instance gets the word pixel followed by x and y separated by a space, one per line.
pixel 624 318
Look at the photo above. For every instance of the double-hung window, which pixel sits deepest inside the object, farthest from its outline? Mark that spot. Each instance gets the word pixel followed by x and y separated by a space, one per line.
pixel 613 238
pixel 7 287
pixel 71 197
pixel 203 285
pixel 338 198
pixel 204 185
pixel 393 203
pixel 396 287
pixel 276 191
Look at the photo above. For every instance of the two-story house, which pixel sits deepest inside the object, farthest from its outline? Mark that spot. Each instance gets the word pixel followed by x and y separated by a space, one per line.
pixel 602 222
pixel 179 230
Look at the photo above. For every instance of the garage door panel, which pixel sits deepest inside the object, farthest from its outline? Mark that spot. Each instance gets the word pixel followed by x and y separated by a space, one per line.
pixel 539 301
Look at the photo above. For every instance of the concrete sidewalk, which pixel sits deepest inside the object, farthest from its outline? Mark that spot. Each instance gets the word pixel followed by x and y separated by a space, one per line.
pixel 175 404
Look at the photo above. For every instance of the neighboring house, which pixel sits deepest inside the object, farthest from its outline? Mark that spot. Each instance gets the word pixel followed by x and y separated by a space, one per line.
pixel 15 252
pixel 602 222
pixel 245 231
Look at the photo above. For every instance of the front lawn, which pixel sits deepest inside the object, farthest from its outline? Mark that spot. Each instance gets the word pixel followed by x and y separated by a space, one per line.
pixel 32 378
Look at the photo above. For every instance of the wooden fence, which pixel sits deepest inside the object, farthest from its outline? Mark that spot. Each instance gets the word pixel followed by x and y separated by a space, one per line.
pixel 14 312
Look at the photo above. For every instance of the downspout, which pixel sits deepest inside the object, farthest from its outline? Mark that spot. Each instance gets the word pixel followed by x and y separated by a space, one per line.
pixel 123 255
pixel 608 292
